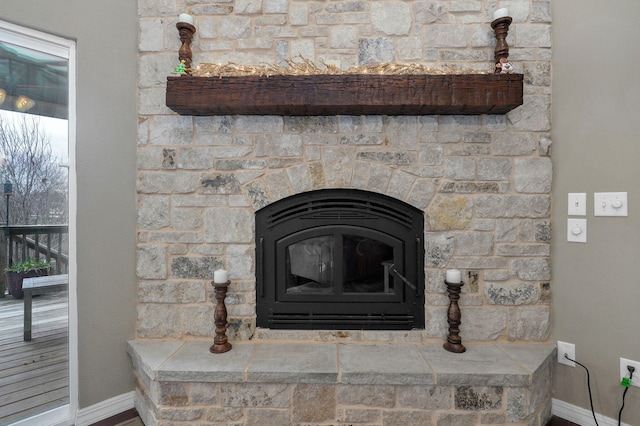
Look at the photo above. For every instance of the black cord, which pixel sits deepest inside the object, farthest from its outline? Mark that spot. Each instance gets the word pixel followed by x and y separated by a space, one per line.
pixel 623 395
pixel 593 412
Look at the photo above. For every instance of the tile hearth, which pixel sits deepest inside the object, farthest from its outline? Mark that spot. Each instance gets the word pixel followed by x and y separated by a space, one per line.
pixel 273 383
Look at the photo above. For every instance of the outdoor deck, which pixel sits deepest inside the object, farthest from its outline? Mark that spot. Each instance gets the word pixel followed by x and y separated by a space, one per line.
pixel 34 374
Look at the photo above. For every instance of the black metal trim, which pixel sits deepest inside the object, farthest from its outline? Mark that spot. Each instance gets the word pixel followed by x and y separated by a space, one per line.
pixel 341 211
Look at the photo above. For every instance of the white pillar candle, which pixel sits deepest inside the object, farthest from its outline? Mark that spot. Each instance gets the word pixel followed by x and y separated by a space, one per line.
pixel 188 19
pixel 500 13
pixel 453 276
pixel 220 276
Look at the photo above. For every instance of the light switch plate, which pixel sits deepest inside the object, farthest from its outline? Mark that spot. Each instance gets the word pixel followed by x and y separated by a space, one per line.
pixel 577 230
pixel 577 204
pixel 610 204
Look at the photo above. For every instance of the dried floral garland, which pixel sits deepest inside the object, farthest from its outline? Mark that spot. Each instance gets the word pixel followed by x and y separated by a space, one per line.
pixel 306 67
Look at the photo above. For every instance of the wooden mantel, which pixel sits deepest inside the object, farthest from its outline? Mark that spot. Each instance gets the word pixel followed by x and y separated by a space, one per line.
pixel 346 94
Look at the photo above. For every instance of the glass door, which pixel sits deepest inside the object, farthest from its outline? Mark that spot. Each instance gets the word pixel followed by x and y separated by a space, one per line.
pixel 38 339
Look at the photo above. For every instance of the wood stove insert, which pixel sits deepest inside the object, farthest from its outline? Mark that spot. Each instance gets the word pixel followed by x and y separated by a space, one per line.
pixel 340 259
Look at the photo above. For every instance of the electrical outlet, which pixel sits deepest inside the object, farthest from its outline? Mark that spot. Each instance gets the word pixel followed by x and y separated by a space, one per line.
pixel 625 373
pixel 570 350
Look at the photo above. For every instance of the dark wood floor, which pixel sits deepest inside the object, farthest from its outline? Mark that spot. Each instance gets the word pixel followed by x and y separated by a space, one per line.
pixel 34 374
pixel 557 421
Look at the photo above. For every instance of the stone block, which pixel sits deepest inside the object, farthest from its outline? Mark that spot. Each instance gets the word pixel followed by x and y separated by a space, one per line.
pixel 533 323
pixel 431 12
pixel 409 48
pixel 375 51
pixel 234 27
pixel 533 269
pixel 534 35
pixel 483 323
pixel 154 68
pixel 517 407
pixel 252 395
pixel 168 182
pixel 186 218
pixel 430 155
pixel 214 124
pixel 195 267
pixel 460 168
pixel 455 419
pixel 298 13
pixel 258 417
pixel 257 194
pixel 349 6
pixel 513 206
pixel 173 393
pixel 153 212
pixel 302 48
pixel 151 262
pixel 206 394
pixel 400 185
pixel 421 194
pixel 343 37
pixel 533 116
pixel 198 320
pixel 425 397
pixel 355 415
pixel 533 175
pixel 224 414
pixel 159 320
pixel 492 418
pixel 447 36
pixel 439 249
pixel 494 168
pixel 391 18
pixel 367 395
pixel 525 250
pixel 512 293
pixel 151 35
pixel 478 398
pixel 369 365
pixel 337 165
pixel 474 244
pixel 407 418
pixel 313 403
pixel 233 225
pixel 449 212
pixel 171 292
pixel 195 158
pixel 180 414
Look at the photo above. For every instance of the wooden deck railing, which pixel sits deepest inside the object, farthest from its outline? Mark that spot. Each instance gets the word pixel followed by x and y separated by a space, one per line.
pixel 45 242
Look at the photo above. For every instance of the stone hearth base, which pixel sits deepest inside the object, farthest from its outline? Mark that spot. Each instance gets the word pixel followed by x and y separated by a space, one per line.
pixel 284 383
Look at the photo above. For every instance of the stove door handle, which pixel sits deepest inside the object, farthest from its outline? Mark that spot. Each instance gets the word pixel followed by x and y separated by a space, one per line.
pixel 393 269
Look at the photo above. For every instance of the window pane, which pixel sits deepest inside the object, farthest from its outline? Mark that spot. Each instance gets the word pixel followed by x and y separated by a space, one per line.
pixel 33 82
pixel 366 263
pixel 310 266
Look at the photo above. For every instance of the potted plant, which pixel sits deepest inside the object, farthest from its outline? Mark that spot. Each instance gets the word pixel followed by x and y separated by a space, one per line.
pixel 26 269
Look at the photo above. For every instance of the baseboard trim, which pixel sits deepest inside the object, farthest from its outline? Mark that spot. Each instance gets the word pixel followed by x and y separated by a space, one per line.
pixel 579 415
pixel 105 409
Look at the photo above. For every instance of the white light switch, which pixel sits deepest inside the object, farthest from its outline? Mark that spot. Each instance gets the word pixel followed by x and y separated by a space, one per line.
pixel 577 204
pixel 610 204
pixel 577 230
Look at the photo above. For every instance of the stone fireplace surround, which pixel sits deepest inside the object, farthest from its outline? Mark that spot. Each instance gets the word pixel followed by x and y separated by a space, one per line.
pixel 483 182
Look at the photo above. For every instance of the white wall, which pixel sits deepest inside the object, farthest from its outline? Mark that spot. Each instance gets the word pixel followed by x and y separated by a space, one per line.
pixel 596 148
pixel 106 34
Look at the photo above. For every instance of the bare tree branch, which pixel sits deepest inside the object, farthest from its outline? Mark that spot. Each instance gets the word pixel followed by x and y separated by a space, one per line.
pixel 39 184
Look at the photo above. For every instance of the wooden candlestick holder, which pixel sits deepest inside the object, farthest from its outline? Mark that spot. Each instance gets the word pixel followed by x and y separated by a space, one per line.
pixel 220 343
pixel 500 30
pixel 454 342
pixel 186 32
